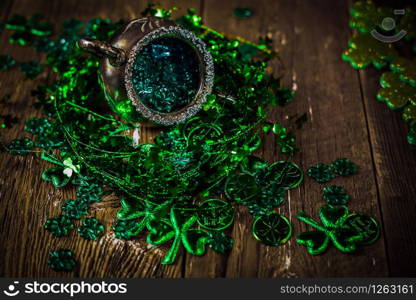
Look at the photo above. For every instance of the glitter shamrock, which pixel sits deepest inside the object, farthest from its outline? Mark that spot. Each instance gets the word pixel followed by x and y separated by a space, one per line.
pixel 284 139
pixel 57 176
pixel 31 69
pixel 6 62
pixel 90 229
pixel 179 229
pixel 334 229
pixel 215 214
pixel 335 195
pixel 406 68
pixel 37 125
pixel 366 16
pixel 59 226
pixel 7 121
pixel 365 50
pixel 20 146
pixel 395 92
pixel 344 167
pixel 75 209
pixel 321 173
pixel 61 260
pixel 220 242
pixel 272 229
pixel 242 13
pixel 89 192
pixel 125 230
pixel 409 113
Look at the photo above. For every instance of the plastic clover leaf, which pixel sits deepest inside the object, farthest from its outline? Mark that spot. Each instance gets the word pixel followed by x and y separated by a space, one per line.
pixel 20 146
pixel 365 50
pixel 335 195
pixel 395 92
pixel 59 226
pixel 406 68
pixel 220 242
pixel 365 16
pixel 344 167
pixel 6 62
pixel 125 230
pixel 61 260
pixel 57 176
pixel 25 29
pixel 70 168
pixel 75 209
pixel 89 192
pixel 90 229
pixel 178 228
pixel 334 229
pixel 31 69
pixel 321 173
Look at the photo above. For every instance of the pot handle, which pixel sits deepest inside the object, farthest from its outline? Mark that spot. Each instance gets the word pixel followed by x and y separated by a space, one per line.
pixel 116 56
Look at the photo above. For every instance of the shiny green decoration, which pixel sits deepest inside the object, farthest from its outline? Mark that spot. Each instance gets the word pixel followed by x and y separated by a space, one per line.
pixel 284 139
pixel 406 68
pixel 344 167
pixel 91 229
pixel 31 69
pixel 57 176
pixel 27 29
pixel 242 13
pixel 287 174
pixel 7 121
pixel 61 260
pixel 395 92
pixel 215 214
pixel 272 229
pixel 44 45
pixel 125 230
pixel 166 74
pixel 366 16
pixel 321 173
pixel 6 62
pixel 335 195
pixel 75 209
pixel 364 50
pixel 89 192
pixel 411 137
pixel 21 146
pixel 334 230
pixel 241 188
pixel 178 228
pixel 220 242
pixel 59 226
pixel 409 113
pixel 365 225
pixel 37 125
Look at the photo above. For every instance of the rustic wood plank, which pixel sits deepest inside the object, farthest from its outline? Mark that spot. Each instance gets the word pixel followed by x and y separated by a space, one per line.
pixel 395 164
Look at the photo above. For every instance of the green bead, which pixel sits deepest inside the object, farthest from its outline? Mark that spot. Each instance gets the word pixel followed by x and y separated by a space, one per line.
pixel 220 242
pixel 344 167
pixel 31 69
pixel 272 229
pixel 61 260
pixel 242 13
pixel 335 195
pixel 321 173
pixel 166 74
pixel 91 229
pixel 6 62
pixel 75 209
pixel 37 125
pixel 59 226
pixel 21 146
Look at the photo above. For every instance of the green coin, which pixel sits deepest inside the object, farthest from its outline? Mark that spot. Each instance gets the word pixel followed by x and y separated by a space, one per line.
pixel 241 188
pixel 215 214
pixel 288 174
pixel 365 225
pixel 272 229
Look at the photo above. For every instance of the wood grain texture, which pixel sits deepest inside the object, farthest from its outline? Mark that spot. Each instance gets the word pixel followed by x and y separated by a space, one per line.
pixel 344 120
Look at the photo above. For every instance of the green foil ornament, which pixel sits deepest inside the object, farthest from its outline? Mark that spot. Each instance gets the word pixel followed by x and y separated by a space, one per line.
pixel 272 229
pixel 215 214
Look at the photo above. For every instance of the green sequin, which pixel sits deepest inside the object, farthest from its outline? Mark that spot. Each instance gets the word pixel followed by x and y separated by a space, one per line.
pixel 166 74
pixel 125 230
pixel 395 92
pixel 59 226
pixel 61 260
pixel 31 69
pixel 335 195
pixel 21 146
pixel 220 242
pixel 75 209
pixel 89 192
pixel 6 62
pixel 344 167
pixel 91 229
pixel 321 173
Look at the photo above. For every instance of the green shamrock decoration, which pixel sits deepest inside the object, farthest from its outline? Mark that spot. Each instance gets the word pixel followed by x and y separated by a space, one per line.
pixel 215 214
pixel 411 137
pixel 6 62
pixel 367 226
pixel 241 188
pixel 220 242
pixel 178 228
pixel 335 195
pixel 394 92
pixel 57 176
pixel 75 209
pixel 366 16
pixel 272 229
pixel 409 113
pixel 321 173
pixel 285 173
pixel 284 139
pixel 344 167
pixel 20 146
pixel 89 192
pixel 91 229
pixel 406 68
pixel 334 229
pixel 125 230
pixel 59 226
pixel 61 260
pixel 26 29
pixel 364 50
pixel 31 69
pixel 37 125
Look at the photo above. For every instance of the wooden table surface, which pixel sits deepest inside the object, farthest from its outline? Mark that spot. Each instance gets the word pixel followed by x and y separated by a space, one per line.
pixel 344 120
